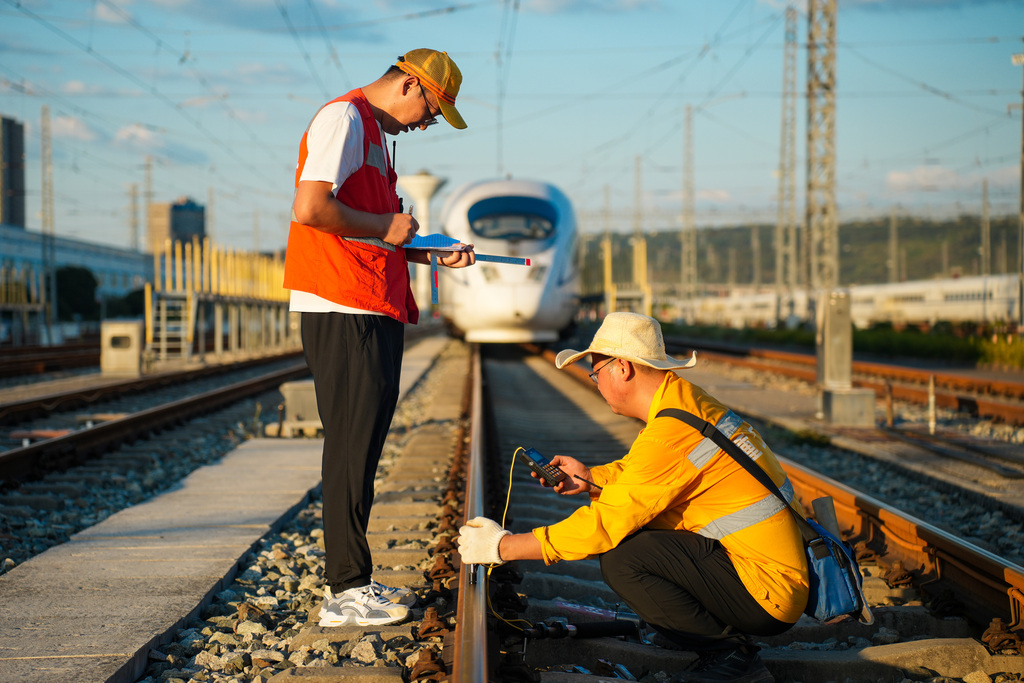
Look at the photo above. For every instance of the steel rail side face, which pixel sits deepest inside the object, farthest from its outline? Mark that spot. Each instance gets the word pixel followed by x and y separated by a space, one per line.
pixel 987 585
pixel 470 661
pixel 83 443
pixel 67 400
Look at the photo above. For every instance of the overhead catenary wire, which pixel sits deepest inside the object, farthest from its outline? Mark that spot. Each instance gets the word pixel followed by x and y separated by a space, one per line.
pixel 152 90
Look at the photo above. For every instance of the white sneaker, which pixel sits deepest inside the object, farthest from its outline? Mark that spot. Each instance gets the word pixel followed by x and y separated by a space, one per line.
pixel 360 607
pixel 399 595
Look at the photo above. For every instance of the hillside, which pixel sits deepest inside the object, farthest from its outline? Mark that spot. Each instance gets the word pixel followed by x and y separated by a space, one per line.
pixel 928 249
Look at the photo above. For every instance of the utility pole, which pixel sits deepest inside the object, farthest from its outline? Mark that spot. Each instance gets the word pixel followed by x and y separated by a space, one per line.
pixel 822 223
pixel 147 200
pixel 786 266
pixel 208 227
pixel 610 302
pixel 689 234
pixel 894 255
pixel 640 242
pixel 49 239
pixel 755 249
pixel 986 234
pixel 256 230
pixel 1018 60
pixel 133 219
pixel 840 402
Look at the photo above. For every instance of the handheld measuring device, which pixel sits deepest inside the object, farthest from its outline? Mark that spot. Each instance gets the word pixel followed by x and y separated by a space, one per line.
pixel 536 461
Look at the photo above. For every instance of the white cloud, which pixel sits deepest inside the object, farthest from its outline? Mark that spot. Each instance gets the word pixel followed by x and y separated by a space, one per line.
pixel 263 74
pixel 713 195
pixel 924 178
pixel 138 137
pixel 78 88
pixel 71 128
pixel 105 13
pixel 556 6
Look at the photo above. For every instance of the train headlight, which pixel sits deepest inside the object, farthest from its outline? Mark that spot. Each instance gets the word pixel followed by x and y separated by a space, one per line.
pixel 538 273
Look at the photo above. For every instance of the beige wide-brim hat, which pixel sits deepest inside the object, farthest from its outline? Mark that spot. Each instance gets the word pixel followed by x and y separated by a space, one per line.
pixel 630 336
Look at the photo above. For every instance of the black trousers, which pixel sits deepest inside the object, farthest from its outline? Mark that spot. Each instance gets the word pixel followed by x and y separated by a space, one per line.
pixel 356 362
pixel 684 585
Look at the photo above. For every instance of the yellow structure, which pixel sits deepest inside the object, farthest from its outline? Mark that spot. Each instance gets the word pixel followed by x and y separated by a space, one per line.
pixel 241 291
pixel 22 296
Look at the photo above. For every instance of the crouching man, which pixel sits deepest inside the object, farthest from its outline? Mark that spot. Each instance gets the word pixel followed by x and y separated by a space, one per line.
pixel 686 537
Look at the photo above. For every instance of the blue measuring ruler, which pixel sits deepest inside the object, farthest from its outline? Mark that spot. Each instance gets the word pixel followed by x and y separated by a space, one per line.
pixel 437 241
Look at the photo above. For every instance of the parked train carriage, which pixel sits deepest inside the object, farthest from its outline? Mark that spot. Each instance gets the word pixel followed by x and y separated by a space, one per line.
pixel 921 302
pixel 926 302
pixel 510 303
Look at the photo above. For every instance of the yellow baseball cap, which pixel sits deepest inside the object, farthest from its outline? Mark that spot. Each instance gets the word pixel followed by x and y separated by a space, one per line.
pixel 438 74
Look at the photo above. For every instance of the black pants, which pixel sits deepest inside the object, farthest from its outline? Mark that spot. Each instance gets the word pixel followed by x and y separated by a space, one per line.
pixel 684 585
pixel 356 361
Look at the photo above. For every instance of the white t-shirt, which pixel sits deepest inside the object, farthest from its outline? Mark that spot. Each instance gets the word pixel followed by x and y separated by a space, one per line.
pixel 334 145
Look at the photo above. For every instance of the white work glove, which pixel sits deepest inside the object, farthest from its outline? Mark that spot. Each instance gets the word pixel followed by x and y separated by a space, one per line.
pixel 478 541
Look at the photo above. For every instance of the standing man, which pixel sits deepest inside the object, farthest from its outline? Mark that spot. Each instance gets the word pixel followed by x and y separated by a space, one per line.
pixel 698 548
pixel 349 276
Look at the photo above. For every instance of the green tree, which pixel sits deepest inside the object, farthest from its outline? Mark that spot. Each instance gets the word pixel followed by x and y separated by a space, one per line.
pixel 76 294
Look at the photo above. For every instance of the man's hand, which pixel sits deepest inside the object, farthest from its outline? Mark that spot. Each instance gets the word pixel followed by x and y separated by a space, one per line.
pixel 578 479
pixel 457 259
pixel 478 541
pixel 401 229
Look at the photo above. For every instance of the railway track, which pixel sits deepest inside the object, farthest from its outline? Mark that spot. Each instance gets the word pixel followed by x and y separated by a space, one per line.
pixel 554 428
pixel 449 458
pixel 21 404
pixel 991 398
pixel 73 443
pixel 561 623
pixel 20 361
pixel 77 446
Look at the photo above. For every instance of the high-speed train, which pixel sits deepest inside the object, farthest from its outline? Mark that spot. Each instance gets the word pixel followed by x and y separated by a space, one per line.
pixel 495 302
pixel 923 303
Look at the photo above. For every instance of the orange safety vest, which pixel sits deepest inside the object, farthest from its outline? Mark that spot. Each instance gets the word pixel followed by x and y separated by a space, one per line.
pixel 356 272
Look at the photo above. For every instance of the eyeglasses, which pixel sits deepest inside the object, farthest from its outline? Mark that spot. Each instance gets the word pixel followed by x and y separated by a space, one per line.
pixel 432 116
pixel 593 375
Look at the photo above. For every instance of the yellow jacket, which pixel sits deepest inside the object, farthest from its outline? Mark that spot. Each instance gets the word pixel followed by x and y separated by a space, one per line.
pixel 674 478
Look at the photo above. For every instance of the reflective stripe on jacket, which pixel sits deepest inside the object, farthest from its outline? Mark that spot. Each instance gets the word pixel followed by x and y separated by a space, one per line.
pixel 674 478
pixel 362 273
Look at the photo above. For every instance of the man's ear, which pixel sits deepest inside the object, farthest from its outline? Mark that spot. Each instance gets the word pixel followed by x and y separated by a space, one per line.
pixel 628 369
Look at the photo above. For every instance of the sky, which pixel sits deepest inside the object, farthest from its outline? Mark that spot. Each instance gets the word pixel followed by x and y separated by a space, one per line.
pixel 590 95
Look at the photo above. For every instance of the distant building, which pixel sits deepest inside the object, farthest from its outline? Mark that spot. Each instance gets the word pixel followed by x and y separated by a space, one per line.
pixel 12 172
pixel 179 221
pixel 117 271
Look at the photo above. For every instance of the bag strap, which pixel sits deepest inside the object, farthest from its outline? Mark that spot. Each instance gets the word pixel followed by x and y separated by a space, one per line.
pixel 710 431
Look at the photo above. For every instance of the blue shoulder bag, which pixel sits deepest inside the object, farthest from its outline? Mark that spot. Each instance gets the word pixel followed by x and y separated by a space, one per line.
pixel 836 584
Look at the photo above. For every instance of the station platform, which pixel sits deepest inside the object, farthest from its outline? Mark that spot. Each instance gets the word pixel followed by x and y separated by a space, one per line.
pixel 92 608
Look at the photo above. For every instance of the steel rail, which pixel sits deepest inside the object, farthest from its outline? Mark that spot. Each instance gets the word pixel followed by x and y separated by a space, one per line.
pixel 36 364
pixel 987 586
pixel 972 403
pixel 947 380
pixel 66 400
pixel 470 648
pixel 82 444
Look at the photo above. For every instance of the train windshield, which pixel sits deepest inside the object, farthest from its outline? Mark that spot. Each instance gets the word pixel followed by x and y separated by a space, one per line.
pixel 513 218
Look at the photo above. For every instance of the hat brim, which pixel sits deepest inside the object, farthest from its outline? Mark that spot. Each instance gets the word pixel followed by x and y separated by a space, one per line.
pixel 569 356
pixel 451 114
